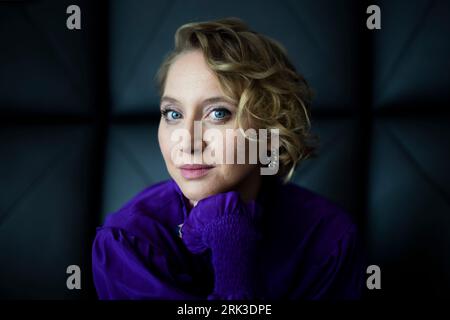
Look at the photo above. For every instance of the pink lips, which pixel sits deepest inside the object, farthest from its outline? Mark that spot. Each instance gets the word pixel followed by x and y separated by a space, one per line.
pixel 194 171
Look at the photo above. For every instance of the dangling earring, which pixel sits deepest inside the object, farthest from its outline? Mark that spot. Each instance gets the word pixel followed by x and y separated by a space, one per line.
pixel 273 159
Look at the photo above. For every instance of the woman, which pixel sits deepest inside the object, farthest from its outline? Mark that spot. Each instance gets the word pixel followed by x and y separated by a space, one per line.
pixel 221 229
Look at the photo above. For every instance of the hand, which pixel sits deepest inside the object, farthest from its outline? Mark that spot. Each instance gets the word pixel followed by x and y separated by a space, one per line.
pixel 217 210
pixel 229 227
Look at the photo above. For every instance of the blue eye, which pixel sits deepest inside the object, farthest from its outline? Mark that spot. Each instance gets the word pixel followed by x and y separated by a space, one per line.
pixel 171 115
pixel 220 114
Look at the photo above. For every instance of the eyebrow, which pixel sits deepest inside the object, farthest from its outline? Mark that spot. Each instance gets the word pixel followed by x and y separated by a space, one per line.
pixel 206 101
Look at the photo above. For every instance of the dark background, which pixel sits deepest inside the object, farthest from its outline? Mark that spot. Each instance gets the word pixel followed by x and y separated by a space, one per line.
pixel 79 113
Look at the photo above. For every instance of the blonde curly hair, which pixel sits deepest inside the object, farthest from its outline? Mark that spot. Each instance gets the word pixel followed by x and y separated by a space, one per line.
pixel 254 70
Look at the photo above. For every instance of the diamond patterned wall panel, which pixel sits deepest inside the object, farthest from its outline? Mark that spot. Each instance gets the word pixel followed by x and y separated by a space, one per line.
pixel 333 173
pixel 411 61
pixel 410 206
pixel 134 161
pixel 46 68
pixel 45 172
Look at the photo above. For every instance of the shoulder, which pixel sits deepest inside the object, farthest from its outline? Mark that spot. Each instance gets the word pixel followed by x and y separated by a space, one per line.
pixel 316 207
pixel 151 211
pixel 320 223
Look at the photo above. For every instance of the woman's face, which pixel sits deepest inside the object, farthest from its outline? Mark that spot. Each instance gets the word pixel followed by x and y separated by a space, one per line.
pixel 193 93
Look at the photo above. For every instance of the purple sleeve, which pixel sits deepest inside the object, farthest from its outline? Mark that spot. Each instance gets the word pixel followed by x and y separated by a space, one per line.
pixel 227 226
pixel 342 272
pixel 127 267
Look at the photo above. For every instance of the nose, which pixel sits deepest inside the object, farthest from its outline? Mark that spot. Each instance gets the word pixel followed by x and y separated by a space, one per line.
pixel 193 143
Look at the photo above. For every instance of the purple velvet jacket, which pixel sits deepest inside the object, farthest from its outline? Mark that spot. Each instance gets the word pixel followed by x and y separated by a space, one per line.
pixel 289 243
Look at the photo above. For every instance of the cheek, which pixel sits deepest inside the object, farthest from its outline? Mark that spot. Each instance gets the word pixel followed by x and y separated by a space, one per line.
pixel 164 142
pixel 230 146
pixel 240 147
pixel 236 172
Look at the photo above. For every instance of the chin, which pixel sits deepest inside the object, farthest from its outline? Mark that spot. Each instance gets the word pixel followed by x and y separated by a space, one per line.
pixel 198 189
